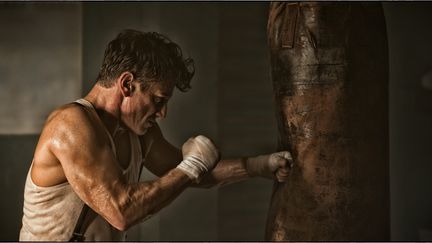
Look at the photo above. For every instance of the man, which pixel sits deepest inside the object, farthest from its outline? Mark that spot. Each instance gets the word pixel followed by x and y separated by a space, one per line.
pixel 92 151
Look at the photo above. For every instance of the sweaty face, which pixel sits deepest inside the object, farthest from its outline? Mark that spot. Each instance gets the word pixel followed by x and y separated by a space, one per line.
pixel 141 109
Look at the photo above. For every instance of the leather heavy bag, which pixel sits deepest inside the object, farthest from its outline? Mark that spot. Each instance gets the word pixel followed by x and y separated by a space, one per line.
pixel 329 63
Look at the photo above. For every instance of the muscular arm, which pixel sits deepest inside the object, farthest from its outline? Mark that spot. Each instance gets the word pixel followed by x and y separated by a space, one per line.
pixel 83 150
pixel 227 171
pixel 163 157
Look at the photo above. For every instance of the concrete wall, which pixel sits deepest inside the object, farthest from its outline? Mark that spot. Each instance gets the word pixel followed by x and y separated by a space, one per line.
pixel 40 62
pixel 40 69
pixel 230 101
pixel 247 124
pixel 410 120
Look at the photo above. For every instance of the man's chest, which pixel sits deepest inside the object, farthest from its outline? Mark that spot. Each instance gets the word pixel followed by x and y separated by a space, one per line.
pixel 129 150
pixel 124 149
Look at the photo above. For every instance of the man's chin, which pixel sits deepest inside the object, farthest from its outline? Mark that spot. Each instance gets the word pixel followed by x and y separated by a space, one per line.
pixel 144 128
pixel 141 131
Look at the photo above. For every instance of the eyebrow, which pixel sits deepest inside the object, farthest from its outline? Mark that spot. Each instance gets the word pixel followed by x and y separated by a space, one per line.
pixel 163 95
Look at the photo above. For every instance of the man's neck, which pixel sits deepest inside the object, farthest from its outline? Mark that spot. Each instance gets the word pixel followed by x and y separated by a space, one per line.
pixel 107 103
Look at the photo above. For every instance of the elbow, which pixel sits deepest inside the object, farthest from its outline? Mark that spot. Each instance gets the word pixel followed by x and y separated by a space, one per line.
pixel 126 210
pixel 123 226
pixel 125 215
pixel 120 227
pixel 120 222
pixel 118 216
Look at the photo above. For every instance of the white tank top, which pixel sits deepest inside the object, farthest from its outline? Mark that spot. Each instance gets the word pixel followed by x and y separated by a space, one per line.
pixel 51 213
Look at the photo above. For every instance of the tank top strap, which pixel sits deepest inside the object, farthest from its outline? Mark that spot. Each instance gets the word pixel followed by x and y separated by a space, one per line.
pixel 90 107
pixel 135 148
pixel 138 154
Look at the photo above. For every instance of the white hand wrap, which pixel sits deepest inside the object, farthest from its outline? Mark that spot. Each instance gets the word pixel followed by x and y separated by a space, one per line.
pixel 199 156
pixel 267 165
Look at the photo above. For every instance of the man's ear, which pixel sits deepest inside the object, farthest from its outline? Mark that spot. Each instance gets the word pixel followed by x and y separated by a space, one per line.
pixel 125 83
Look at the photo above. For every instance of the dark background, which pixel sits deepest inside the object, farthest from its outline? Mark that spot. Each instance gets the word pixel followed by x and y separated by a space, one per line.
pixel 230 101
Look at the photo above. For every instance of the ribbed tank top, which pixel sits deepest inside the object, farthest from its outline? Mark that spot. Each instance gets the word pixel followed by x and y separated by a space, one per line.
pixel 50 213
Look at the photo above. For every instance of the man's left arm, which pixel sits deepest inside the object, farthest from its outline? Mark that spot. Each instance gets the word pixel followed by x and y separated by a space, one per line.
pixel 275 166
pixel 163 157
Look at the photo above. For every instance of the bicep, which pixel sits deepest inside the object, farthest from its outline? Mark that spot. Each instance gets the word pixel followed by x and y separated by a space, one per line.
pixel 88 164
pixel 162 156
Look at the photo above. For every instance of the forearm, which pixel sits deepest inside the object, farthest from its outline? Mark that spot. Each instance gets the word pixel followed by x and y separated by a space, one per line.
pixel 144 199
pixel 273 166
pixel 227 171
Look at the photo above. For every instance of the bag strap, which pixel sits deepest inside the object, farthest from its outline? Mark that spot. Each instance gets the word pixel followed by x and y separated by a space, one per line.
pixel 79 230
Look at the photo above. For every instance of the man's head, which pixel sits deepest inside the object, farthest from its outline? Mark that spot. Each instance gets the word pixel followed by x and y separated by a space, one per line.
pixel 144 68
pixel 150 57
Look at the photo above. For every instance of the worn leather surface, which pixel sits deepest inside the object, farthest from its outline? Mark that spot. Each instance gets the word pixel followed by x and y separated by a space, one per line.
pixel 329 64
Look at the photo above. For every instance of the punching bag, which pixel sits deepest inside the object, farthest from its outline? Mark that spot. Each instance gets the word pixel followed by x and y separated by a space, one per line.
pixel 329 63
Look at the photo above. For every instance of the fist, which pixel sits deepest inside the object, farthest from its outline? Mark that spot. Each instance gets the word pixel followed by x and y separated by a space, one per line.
pixel 273 166
pixel 280 164
pixel 200 156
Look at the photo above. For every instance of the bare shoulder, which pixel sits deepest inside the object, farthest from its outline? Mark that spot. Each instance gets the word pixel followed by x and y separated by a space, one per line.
pixel 65 116
pixel 68 128
pixel 73 124
pixel 63 120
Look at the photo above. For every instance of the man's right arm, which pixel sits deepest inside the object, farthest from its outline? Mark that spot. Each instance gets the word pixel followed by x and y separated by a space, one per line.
pixel 83 150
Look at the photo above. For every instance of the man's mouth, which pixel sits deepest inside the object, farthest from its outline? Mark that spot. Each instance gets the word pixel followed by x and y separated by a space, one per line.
pixel 151 122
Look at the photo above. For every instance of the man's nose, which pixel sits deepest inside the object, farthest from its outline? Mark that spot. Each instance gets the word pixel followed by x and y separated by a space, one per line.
pixel 162 111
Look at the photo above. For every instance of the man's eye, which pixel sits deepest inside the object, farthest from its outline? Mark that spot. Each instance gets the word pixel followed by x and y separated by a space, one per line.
pixel 157 100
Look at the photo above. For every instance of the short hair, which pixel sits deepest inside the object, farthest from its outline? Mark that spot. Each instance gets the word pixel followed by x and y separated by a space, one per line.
pixel 150 57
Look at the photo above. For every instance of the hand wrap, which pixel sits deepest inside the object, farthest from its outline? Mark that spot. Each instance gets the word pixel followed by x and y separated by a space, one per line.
pixel 199 157
pixel 269 164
